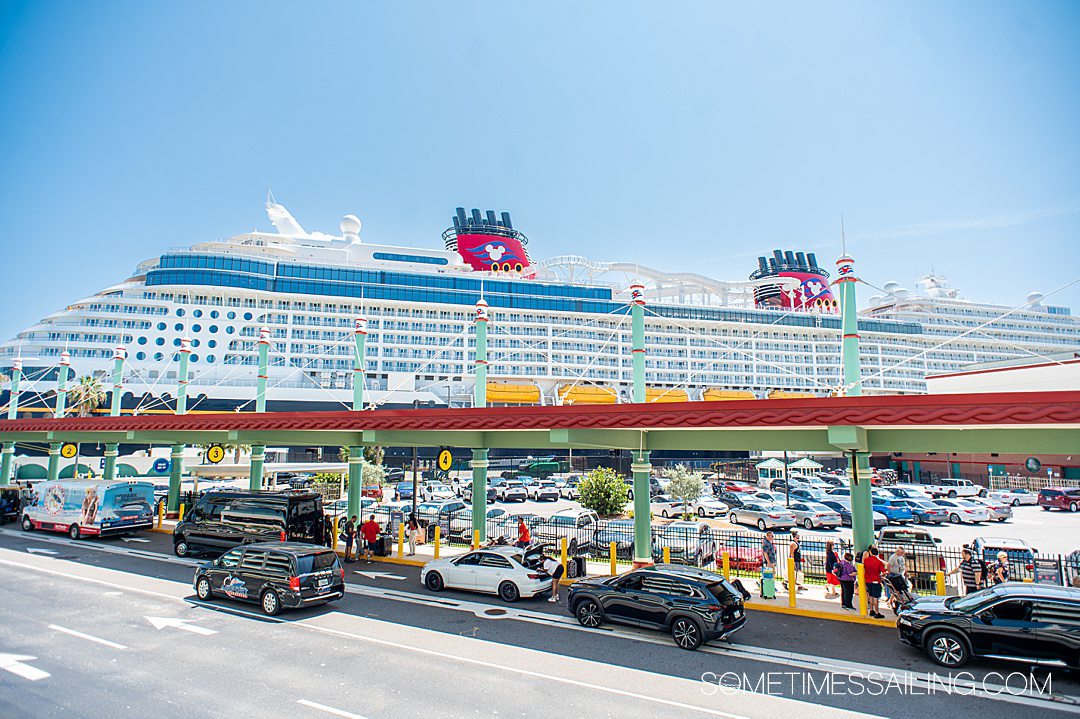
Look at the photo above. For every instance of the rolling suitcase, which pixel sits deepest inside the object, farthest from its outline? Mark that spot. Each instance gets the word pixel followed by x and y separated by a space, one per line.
pixel 768 583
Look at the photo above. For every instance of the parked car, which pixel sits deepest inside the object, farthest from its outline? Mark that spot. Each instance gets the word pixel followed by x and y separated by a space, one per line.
pixel 735 499
pixel 809 495
pixel 686 542
pixel 1028 623
pixel 437 511
pixel 924 558
pixel 505 571
pixel 511 490
pixel 578 526
pixel 927 511
pixel 814 515
pixel 542 490
pixel 963 511
pixel 895 510
pixel 999 511
pixel 1021 555
pixel 403 490
pixel 694 605
pixel 569 489
pixel 655 487
pixel 339 507
pixel 912 491
pixel 373 491
pixel 770 498
pixel 223 519
pixel 1015 497
pixel 708 506
pixel 1059 498
pixel 953 488
pixel 466 493
pixel 275 575
pixel 778 485
pixel 436 491
pixel 620 531
pixel 458 525
pixel 664 506
pixel 843 508
pixel 763 516
pixel 744 553
pixel 87 508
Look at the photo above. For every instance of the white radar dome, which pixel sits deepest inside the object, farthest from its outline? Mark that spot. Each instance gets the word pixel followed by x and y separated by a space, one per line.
pixel 1034 298
pixel 891 286
pixel 350 225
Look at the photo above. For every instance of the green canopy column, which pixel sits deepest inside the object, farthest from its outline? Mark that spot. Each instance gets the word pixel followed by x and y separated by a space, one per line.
pixel 356 453
pixel 480 456
pixel 176 454
pixel 260 406
pixel 8 451
pixel 61 409
pixel 862 513
pixel 640 468
pixel 112 448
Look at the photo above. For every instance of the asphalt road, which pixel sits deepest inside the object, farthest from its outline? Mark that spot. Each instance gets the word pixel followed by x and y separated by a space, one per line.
pixel 82 614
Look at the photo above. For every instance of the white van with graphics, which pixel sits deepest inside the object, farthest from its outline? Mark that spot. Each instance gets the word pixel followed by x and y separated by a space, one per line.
pixel 90 508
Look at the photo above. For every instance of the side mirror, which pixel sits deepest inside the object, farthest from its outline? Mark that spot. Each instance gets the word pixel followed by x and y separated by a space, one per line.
pixel 937 540
pixel 987 617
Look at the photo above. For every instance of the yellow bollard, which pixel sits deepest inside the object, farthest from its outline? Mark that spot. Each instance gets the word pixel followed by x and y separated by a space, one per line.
pixel 860 573
pixel 476 539
pixel 939 579
pixel 160 515
pixel 401 540
pixel 667 555
pixel 335 530
pixel 613 551
pixel 563 560
pixel 791 584
pixel 727 565
pixel 437 541
pixel 180 516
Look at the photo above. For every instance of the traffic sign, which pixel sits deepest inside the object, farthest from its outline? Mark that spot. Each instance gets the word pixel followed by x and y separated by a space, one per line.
pixel 161 465
pixel 446 460
pixel 215 453
pixel 69 450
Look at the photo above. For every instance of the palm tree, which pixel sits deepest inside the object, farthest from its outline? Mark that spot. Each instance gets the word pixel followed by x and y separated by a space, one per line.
pixel 87 395
pixel 373 454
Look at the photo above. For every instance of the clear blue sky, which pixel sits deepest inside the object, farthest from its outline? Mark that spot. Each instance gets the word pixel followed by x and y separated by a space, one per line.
pixel 684 136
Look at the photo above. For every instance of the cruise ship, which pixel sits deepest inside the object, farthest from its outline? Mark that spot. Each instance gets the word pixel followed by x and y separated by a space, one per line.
pixel 559 333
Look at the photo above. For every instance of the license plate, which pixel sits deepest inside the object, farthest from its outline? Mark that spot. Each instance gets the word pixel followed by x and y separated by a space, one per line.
pixel 738 613
pixel 323 583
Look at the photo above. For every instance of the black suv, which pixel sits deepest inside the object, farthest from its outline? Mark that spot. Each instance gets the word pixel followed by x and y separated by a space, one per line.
pixel 1031 623
pixel 274 574
pixel 693 604
pixel 223 519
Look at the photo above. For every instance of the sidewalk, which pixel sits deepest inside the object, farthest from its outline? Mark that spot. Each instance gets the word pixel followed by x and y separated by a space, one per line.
pixel 809 603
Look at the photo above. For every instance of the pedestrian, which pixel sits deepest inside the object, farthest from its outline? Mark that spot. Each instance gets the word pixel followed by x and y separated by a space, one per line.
pixel 555 569
pixel 369 531
pixel 413 529
pixel 524 536
pixel 898 563
pixel 970 571
pixel 768 551
pixel 846 574
pixel 795 552
pixel 872 570
pixel 348 532
pixel 1000 570
pixel 831 560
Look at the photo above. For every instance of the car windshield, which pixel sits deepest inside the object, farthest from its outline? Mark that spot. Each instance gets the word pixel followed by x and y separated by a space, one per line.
pixel 814 507
pixel 966 503
pixel 971 601
pixel 316 562
pixel 725 592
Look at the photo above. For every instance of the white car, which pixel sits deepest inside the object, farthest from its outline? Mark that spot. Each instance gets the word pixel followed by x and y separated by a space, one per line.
pixel 953 488
pixel 542 490
pixel 1015 497
pixel 664 506
pixel 569 488
pixel 511 490
pixel 964 511
pixel 493 570
pixel 436 492
pixel 999 511
pixel 708 506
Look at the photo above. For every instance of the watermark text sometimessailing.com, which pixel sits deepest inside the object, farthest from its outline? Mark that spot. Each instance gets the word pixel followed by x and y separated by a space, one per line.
pixel 875 683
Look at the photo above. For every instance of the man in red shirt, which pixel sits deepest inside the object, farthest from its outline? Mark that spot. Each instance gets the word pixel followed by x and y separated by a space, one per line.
pixel 369 530
pixel 524 538
pixel 872 569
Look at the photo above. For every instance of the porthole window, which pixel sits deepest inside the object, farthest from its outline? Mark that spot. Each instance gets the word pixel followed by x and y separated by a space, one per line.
pixel 161 326
pixel 194 343
pixel 214 314
pixel 159 341
pixel 229 330
pixel 142 340
pixel 212 343
pixel 176 342
pixel 180 312
pixel 140 356
pixel 194 358
pixel 179 327
pixel 247 315
pixel 196 328
pixel 158 356
pixel 197 313
pixel 210 359
pixel 214 328
pixel 231 315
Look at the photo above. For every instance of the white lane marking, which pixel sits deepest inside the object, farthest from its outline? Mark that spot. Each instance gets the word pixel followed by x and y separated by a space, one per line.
pixel 14 663
pixel 88 637
pixel 378 575
pixel 108 549
pixel 39 550
pixel 328 710
pixel 184 624
pixel 114 594
pixel 135 539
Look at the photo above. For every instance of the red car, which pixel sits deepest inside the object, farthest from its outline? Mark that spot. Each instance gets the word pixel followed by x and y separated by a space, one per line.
pixel 732 486
pixel 1059 498
pixel 373 491
pixel 744 554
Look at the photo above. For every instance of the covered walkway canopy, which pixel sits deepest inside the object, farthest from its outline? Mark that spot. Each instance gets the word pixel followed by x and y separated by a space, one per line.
pixel 1035 422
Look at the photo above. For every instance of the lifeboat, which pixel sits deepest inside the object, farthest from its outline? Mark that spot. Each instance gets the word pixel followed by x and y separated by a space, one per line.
pixel 712 394
pixel 784 394
pixel 587 394
pixel 505 393
pixel 661 395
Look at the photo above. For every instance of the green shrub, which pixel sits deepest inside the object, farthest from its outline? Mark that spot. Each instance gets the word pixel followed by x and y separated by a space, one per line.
pixel 603 491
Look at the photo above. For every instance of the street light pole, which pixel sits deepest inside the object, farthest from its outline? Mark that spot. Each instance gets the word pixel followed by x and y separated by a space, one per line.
pixel 787 482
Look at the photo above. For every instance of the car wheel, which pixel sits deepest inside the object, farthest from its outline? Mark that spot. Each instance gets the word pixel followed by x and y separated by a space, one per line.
pixel 202 589
pixel 761 524
pixel 982 492
pixel 1045 508
pixel 732 518
pixel 434 582
pixel 1072 507
pixel 807 523
pixel 271 603
pixel 508 592
pixel 947 649
pixel 954 518
pixel 687 633
pixel 74 532
pixel 27 525
pixel 181 548
pixel 1016 502
pixel 664 514
pixel 701 512
pixel 952 494
pixel 589 614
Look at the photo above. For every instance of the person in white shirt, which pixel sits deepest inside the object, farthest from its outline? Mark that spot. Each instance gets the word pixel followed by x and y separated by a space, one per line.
pixel 555 569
